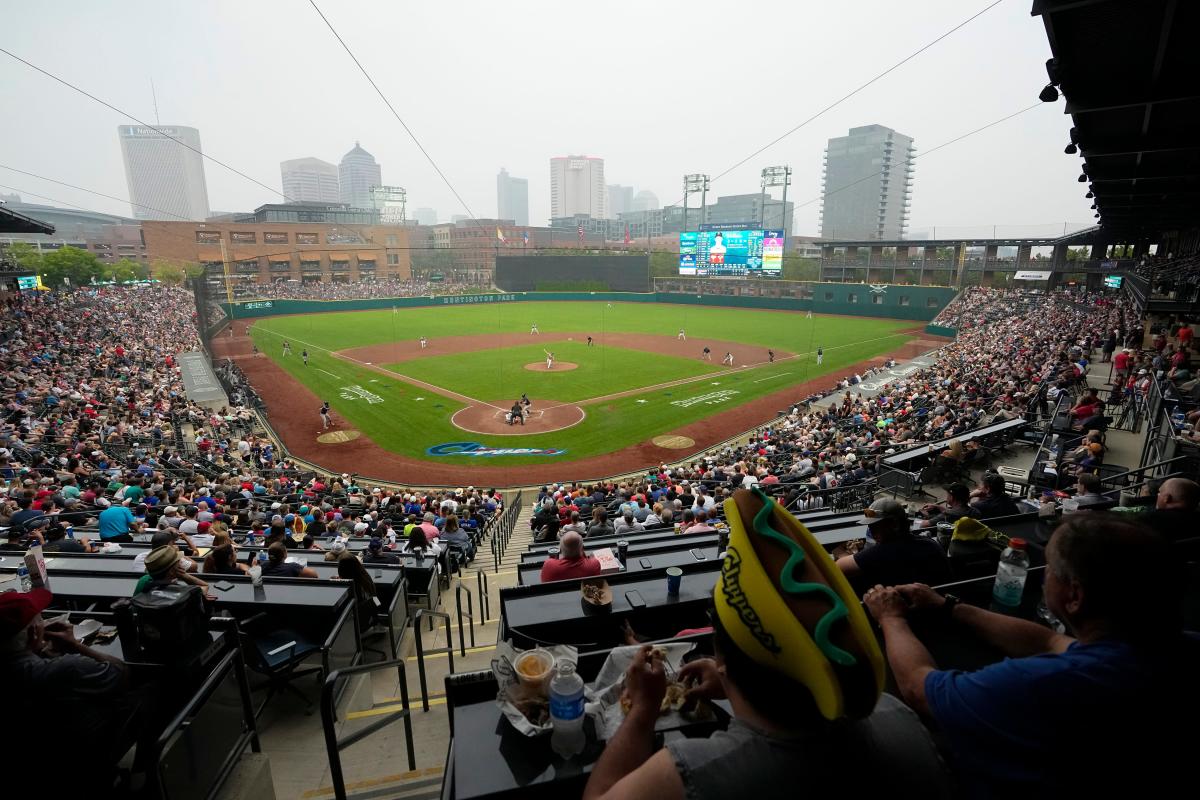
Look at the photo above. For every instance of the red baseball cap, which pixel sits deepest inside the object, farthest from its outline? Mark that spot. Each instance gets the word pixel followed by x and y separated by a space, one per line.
pixel 17 609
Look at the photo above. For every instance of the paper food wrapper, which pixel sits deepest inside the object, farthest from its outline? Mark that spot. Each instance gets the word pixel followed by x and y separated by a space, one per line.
pixel 512 690
pixel 605 692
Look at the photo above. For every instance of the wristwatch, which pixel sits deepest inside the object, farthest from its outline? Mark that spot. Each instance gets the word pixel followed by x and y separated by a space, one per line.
pixel 949 605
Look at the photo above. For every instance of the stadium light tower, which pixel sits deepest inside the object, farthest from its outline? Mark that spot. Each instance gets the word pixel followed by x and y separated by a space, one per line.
pixel 774 176
pixel 693 184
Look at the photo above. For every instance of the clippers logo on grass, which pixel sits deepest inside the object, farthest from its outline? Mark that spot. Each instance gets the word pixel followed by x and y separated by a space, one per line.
pixel 477 449
pixel 357 392
pixel 710 399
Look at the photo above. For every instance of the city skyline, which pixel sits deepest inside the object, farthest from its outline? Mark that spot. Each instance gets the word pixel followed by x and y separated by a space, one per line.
pixel 70 139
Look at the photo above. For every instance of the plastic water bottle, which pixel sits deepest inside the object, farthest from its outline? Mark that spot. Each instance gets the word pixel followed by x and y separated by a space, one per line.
pixel 1011 574
pixel 27 582
pixel 566 711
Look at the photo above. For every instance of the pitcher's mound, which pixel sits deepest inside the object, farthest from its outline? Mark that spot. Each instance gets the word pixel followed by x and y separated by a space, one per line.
pixel 545 416
pixel 559 366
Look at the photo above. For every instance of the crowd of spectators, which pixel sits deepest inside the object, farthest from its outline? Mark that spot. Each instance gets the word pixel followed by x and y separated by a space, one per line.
pixel 357 290
pixel 90 439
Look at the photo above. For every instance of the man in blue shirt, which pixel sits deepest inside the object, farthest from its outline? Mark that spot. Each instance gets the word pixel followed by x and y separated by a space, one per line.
pixel 1062 716
pixel 117 524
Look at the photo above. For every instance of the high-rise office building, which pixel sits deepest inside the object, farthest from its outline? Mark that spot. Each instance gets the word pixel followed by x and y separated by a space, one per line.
pixel 309 180
pixel 165 178
pixel 357 173
pixel 645 200
pixel 620 200
pixel 425 216
pixel 749 208
pixel 577 187
pixel 512 198
pixel 867 183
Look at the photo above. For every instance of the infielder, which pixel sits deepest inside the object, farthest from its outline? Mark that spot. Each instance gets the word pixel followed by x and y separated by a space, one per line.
pixel 728 359
pixel 533 328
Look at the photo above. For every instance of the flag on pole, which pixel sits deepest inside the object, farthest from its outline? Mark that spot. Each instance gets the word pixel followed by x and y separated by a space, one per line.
pixel 581 233
pixel 500 235
pixel 627 234
pixel 525 237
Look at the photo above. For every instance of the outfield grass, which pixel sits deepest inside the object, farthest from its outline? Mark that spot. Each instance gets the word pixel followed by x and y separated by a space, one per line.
pixel 500 374
pixel 410 419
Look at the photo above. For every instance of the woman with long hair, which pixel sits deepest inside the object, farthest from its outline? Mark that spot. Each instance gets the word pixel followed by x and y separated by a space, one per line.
pixel 222 560
pixel 351 569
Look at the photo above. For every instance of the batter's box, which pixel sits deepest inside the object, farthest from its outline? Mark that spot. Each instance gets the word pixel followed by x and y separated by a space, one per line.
pixel 531 415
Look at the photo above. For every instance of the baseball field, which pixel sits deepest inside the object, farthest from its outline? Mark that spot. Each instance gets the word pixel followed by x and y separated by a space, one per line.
pixel 639 393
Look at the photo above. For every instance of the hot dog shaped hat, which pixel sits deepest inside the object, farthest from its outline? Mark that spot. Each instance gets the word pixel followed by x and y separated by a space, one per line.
pixel 788 607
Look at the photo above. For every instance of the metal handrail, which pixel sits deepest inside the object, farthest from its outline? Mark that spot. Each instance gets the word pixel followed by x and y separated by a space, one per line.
pixel 448 649
pixel 485 603
pixel 335 745
pixel 470 615
pixel 1138 471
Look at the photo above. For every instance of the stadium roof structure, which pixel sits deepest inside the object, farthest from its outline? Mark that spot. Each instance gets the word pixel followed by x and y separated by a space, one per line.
pixel 1080 237
pixel 1128 70
pixel 14 222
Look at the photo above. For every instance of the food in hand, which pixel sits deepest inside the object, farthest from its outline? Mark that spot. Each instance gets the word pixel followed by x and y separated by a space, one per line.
pixel 593 593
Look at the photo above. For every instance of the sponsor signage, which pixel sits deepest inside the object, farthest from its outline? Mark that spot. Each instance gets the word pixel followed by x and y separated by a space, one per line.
pixel 1032 275
pixel 475 449
pixel 258 304
pixel 458 299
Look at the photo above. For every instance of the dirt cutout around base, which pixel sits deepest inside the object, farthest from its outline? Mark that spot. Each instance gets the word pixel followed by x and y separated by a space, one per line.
pixel 542 417
pixel 559 366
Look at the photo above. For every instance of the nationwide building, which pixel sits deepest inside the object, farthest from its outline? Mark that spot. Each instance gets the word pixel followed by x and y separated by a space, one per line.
pixel 357 173
pixel 263 252
pixel 577 187
pixel 512 198
pixel 164 171
pixel 309 180
pixel 867 184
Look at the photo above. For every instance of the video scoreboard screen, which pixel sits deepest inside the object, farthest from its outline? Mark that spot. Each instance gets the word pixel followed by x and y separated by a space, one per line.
pixel 1113 281
pixel 731 253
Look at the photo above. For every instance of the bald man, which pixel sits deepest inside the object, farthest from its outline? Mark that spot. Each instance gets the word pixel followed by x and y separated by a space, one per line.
pixel 572 562
pixel 1174 514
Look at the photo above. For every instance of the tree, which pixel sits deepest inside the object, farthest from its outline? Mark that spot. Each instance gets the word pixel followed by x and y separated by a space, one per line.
pixel 167 272
pixel 436 260
pixel 1078 253
pixel 801 269
pixel 26 256
pixel 123 271
pixel 78 266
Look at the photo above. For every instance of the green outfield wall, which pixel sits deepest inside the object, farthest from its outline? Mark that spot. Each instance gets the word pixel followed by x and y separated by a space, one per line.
pixel 918 303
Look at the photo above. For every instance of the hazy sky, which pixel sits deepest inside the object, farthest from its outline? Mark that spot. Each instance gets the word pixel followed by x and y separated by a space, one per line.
pixel 657 89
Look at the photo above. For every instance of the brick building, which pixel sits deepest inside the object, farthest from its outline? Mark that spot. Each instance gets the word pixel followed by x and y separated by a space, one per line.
pixel 271 251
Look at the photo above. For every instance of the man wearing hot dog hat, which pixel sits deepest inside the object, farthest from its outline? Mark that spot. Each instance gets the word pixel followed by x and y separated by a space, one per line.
pixel 800 666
